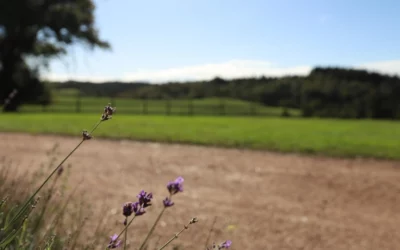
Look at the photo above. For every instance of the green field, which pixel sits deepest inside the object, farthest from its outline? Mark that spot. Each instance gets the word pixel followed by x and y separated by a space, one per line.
pixel 208 106
pixel 380 139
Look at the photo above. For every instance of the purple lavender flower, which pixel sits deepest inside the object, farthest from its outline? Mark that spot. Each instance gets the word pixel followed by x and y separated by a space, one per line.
pixel 108 112
pixel 225 244
pixel 86 135
pixel 175 186
pixel 137 209
pixel 127 209
pixel 145 198
pixel 168 202
pixel 113 242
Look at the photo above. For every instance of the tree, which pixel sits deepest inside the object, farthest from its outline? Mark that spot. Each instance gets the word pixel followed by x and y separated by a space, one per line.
pixel 39 29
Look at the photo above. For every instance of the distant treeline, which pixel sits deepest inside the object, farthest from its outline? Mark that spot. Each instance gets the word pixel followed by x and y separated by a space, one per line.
pixel 325 92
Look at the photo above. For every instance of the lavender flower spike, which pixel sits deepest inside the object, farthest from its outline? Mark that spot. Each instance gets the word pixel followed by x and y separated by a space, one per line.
pixel 175 186
pixel 168 202
pixel 127 209
pixel 145 198
pixel 225 244
pixel 86 135
pixel 113 242
pixel 108 112
pixel 138 209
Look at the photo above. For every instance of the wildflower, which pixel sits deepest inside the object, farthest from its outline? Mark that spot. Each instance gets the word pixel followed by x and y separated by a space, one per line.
pixel 108 112
pixel 113 242
pixel 86 135
pixel 145 198
pixel 168 202
pixel 225 244
pixel 193 220
pixel 175 186
pixel 137 209
pixel 127 209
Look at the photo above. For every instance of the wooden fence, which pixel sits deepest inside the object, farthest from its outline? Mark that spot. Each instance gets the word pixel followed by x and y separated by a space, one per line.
pixel 190 107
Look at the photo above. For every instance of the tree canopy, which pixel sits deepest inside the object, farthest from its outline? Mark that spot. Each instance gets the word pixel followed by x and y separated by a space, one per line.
pixel 39 29
pixel 325 92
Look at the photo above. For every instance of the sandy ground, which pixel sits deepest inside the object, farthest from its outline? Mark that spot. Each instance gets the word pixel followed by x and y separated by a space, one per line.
pixel 260 200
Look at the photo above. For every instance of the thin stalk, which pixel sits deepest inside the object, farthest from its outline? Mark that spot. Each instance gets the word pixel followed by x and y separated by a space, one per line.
pixel 57 218
pixel 211 230
pixel 10 237
pixel 45 206
pixel 95 126
pixel 41 186
pixel 185 227
pixel 20 212
pixel 153 227
pixel 3 201
pixel 126 236
pixel 126 227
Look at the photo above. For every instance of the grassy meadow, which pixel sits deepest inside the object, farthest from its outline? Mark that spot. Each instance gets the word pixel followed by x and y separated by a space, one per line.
pixel 349 138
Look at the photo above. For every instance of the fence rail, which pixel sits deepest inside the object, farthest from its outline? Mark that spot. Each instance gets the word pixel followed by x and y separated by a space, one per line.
pixel 189 107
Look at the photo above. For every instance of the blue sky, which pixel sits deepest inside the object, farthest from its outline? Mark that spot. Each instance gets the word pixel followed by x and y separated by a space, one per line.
pixel 160 40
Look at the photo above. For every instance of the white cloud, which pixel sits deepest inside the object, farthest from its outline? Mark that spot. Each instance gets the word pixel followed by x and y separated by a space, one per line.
pixel 386 67
pixel 88 78
pixel 228 70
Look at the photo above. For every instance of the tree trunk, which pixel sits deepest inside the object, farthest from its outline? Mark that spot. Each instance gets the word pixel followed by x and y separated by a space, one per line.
pixel 11 107
pixel 9 61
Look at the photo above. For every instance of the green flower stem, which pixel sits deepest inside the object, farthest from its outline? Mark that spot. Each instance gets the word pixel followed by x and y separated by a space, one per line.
pixel 126 236
pixel 24 207
pixel 95 126
pixel 153 227
pixel 192 221
pixel 20 212
pixel 126 227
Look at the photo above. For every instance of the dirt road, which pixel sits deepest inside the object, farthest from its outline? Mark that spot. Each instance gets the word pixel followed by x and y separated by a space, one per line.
pixel 262 200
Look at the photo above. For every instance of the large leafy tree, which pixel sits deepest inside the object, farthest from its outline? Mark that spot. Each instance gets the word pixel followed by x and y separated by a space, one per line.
pixel 39 29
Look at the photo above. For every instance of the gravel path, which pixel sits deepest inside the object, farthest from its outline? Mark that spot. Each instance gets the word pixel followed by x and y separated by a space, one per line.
pixel 261 200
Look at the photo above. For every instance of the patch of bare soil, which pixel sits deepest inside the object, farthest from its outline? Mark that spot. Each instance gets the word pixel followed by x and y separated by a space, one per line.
pixel 261 200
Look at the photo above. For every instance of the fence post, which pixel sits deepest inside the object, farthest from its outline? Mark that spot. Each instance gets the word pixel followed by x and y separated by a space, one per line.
pixel 144 106
pixel 168 107
pixel 222 106
pixel 78 103
pixel 252 109
pixel 113 102
pixel 190 106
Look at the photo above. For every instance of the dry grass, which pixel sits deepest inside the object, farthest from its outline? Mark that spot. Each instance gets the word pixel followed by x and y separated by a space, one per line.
pixel 261 200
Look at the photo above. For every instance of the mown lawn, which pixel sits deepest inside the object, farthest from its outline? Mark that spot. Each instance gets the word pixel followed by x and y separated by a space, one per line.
pixel 380 139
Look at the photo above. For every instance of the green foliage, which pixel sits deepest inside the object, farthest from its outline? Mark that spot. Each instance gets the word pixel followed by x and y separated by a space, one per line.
pixel 325 92
pixel 49 219
pixel 40 30
pixel 368 138
pixel 350 94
